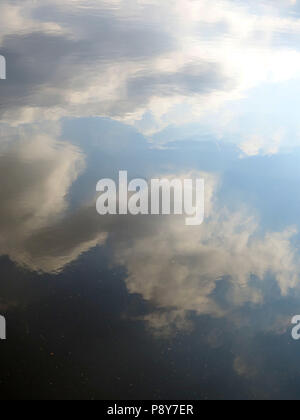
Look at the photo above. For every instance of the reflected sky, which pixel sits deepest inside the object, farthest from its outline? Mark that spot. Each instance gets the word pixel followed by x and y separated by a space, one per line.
pixel 145 307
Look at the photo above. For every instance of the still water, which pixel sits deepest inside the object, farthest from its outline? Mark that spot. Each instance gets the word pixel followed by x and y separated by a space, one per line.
pixel 145 307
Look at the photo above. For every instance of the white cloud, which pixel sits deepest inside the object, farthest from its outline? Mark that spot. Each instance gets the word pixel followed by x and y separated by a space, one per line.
pixel 179 269
pixel 127 60
pixel 35 229
pixel 260 145
pixel 176 267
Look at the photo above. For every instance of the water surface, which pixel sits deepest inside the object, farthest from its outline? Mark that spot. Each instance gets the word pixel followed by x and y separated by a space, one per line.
pixel 144 307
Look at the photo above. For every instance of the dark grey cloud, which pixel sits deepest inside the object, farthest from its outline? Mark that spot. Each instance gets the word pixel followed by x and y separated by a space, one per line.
pixel 192 79
pixel 109 35
pixel 35 62
pixel 46 67
pixel 43 67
